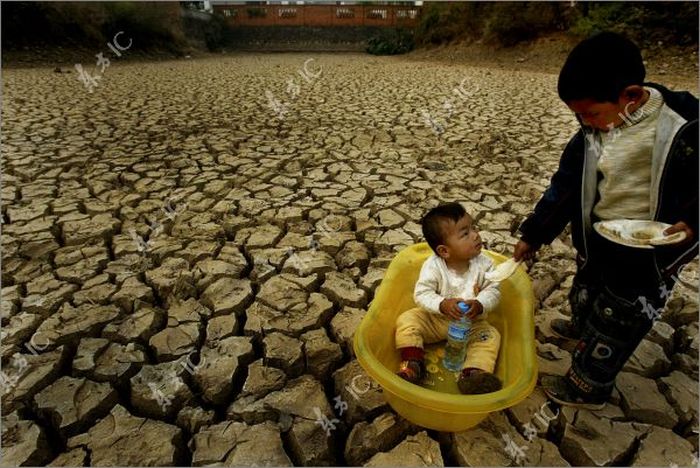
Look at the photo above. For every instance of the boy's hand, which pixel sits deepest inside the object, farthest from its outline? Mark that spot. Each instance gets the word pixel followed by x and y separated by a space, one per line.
pixel 450 308
pixel 524 251
pixel 475 308
pixel 678 227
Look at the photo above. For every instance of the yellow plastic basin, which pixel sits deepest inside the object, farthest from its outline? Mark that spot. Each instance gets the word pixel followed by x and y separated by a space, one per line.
pixel 376 352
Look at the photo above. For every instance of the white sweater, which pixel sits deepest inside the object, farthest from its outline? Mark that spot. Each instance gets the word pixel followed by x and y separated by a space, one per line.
pixel 625 164
pixel 437 282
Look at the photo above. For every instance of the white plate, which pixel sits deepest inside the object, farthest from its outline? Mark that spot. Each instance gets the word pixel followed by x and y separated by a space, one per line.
pixel 637 233
pixel 503 271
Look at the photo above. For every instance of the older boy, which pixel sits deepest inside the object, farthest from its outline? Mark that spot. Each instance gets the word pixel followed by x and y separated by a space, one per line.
pixel 635 157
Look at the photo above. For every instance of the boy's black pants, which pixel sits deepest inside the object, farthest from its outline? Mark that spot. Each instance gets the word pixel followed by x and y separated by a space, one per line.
pixel 615 298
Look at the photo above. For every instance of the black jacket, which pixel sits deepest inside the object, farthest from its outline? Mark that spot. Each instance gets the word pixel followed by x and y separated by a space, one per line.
pixel 572 191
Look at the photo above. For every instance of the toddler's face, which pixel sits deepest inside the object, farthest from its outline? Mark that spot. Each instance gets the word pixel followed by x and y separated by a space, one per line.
pixel 462 240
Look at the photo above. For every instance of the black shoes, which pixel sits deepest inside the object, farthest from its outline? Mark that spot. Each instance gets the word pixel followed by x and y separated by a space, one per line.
pixel 560 391
pixel 411 370
pixel 477 382
pixel 564 329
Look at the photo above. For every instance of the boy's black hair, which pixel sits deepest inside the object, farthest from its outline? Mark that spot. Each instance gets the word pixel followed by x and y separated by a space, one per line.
pixel 430 223
pixel 600 67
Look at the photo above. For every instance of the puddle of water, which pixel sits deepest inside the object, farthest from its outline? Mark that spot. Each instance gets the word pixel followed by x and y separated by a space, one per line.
pixel 438 378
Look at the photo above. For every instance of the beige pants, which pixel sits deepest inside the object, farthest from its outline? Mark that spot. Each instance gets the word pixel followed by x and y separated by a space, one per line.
pixel 417 327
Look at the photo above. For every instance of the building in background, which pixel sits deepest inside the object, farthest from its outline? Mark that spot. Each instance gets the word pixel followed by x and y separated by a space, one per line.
pixel 318 13
pixel 199 6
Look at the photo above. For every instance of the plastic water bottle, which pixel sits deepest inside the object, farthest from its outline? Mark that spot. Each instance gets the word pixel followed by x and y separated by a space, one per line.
pixel 457 336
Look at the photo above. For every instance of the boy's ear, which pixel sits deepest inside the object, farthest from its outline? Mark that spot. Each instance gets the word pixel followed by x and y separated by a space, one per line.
pixel 443 251
pixel 632 93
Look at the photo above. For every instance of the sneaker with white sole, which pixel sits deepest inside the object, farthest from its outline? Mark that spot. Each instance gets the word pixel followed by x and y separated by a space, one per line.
pixel 560 391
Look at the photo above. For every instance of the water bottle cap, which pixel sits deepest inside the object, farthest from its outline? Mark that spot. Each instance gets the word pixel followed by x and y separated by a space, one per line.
pixel 463 307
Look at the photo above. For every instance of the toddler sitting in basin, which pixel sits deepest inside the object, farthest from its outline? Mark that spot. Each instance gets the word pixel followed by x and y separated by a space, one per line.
pixel 453 274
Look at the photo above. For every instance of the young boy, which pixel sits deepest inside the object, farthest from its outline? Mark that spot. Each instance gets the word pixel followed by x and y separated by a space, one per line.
pixel 635 157
pixel 455 273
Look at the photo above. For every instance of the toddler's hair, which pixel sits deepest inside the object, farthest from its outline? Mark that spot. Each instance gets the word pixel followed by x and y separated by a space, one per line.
pixel 430 223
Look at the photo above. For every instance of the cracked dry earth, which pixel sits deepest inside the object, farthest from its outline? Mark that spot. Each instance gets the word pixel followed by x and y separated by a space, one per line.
pixel 183 270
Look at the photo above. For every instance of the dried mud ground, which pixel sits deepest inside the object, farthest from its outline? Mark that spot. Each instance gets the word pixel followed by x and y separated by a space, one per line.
pixel 184 267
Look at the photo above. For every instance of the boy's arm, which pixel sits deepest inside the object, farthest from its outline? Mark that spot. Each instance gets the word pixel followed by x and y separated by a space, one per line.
pixel 553 212
pixel 684 188
pixel 689 207
pixel 425 293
